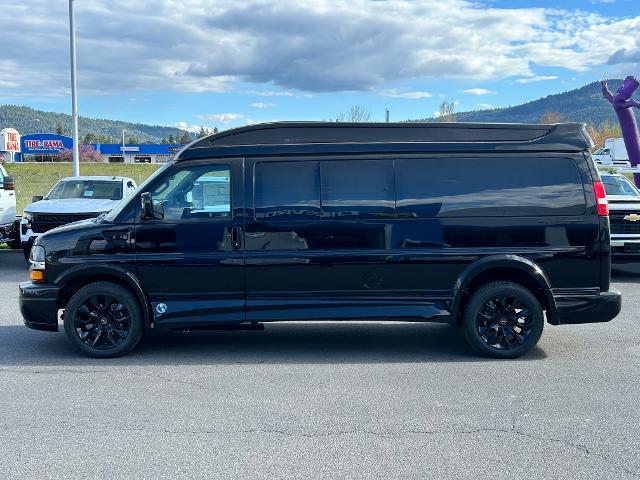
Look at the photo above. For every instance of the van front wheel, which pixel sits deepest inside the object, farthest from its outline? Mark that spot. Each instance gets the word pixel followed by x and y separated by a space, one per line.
pixel 103 320
pixel 503 320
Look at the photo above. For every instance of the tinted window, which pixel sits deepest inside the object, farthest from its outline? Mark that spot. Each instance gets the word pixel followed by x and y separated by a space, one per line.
pixel 287 191
pixel 457 187
pixel 362 188
pixel 193 192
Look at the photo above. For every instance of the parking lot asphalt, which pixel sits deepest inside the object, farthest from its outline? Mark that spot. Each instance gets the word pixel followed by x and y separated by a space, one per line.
pixel 321 400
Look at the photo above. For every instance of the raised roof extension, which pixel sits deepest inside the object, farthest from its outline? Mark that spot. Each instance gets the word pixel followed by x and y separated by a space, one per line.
pixel 558 137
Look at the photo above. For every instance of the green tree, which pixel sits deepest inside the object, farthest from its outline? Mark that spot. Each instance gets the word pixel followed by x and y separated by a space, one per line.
pixel 170 140
pixel 203 132
pixel 185 138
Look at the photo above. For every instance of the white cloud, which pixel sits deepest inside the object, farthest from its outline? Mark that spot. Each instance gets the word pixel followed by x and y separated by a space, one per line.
pixel 479 91
pixel 295 46
pixel 270 93
pixel 263 105
pixel 393 93
pixel 540 78
pixel 187 127
pixel 220 117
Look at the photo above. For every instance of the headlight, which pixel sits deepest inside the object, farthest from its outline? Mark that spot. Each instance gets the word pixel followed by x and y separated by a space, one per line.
pixel 27 216
pixel 37 262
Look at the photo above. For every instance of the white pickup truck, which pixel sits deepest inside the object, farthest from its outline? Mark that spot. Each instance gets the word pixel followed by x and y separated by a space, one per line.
pixel 7 208
pixel 70 200
pixel 624 217
pixel 613 154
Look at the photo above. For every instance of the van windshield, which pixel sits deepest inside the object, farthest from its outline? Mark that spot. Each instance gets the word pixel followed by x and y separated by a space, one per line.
pixel 90 189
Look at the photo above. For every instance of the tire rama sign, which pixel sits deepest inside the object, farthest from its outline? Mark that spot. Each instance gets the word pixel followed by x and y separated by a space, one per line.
pixel 10 141
pixel 45 144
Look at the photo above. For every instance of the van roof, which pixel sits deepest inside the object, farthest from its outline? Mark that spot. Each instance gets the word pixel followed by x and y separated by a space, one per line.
pixel 304 137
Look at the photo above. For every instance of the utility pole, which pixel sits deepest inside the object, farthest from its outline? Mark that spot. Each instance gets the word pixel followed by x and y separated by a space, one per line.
pixel 386 115
pixel 74 94
pixel 124 155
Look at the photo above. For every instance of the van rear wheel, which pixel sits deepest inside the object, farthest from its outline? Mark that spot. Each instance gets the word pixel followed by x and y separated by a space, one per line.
pixel 103 320
pixel 503 320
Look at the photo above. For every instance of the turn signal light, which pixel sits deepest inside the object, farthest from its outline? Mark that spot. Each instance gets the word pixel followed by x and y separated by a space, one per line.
pixel 36 275
pixel 601 199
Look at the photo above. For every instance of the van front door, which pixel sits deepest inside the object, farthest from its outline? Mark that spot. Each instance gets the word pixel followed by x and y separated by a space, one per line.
pixel 190 261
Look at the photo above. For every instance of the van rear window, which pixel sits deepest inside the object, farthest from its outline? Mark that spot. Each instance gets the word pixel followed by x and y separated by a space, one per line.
pixel 501 187
pixel 357 189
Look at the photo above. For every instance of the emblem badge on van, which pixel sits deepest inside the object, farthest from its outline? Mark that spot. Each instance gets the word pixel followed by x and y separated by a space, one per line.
pixel 632 217
pixel 161 308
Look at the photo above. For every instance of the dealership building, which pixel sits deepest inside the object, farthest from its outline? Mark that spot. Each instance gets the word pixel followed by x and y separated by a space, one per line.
pixel 47 146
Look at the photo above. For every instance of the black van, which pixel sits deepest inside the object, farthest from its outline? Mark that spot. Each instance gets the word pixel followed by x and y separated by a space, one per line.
pixel 495 228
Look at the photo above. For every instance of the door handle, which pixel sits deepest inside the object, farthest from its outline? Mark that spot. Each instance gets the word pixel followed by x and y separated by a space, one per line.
pixel 236 238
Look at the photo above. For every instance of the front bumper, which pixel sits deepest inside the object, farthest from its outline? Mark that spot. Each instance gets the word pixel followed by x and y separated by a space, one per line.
pixel 600 307
pixel 39 306
pixel 26 233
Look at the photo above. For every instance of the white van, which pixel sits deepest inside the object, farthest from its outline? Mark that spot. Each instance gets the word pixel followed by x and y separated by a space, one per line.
pixel 70 200
pixel 7 207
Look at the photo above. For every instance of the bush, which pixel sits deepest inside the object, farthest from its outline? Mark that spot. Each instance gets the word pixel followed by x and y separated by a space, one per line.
pixel 87 154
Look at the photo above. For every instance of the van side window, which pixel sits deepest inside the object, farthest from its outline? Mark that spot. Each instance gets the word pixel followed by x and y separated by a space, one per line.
pixel 286 191
pixel 201 191
pixel 497 187
pixel 357 189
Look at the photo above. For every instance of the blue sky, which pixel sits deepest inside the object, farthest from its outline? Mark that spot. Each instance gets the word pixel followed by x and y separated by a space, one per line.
pixel 225 63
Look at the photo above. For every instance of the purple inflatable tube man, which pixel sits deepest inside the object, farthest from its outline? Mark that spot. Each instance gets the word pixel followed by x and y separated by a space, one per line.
pixel 622 103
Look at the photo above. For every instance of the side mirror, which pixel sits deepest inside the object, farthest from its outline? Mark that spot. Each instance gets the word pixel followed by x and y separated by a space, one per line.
pixel 149 209
pixel 36 198
pixel 8 183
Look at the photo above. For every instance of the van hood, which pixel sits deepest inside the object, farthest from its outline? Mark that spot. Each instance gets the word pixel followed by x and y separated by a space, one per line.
pixel 71 205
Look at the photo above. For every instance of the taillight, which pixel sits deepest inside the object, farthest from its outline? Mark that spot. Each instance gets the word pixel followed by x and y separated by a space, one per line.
pixel 601 199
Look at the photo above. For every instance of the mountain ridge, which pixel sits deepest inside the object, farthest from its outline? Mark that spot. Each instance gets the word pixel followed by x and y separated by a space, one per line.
pixel 583 104
pixel 29 120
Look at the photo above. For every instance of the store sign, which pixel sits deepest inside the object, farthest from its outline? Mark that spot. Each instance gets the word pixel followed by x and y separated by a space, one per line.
pixel 10 141
pixel 45 144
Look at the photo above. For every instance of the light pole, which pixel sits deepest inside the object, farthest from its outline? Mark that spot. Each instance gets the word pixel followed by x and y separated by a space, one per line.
pixel 74 97
pixel 124 156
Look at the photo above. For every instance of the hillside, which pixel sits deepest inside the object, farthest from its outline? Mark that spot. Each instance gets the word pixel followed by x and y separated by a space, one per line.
pixel 584 104
pixel 28 120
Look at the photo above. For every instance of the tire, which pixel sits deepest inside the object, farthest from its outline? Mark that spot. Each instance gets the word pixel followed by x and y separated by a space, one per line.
pixel 503 320
pixel 103 320
pixel 15 243
pixel 26 251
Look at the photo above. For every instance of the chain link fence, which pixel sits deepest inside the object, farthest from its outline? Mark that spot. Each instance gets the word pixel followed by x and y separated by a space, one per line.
pixel 38 178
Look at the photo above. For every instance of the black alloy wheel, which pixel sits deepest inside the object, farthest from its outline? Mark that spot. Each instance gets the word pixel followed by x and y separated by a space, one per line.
pixel 102 322
pixel 103 319
pixel 503 320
